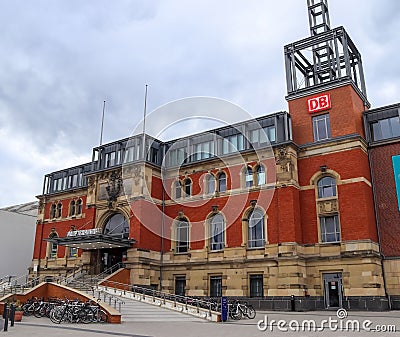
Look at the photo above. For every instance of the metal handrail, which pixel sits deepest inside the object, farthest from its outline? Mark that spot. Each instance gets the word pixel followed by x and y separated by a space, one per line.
pixel 187 300
pixel 108 271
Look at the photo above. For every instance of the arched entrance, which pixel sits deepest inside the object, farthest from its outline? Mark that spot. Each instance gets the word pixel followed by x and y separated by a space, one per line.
pixel 116 226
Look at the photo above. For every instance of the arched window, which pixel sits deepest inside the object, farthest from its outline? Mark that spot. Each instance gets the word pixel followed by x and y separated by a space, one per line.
pixel 117 225
pixel 72 208
pixel 256 237
pixel 178 189
pixel 260 175
pixel 79 206
pixel 53 246
pixel 326 187
pixel 210 184
pixel 249 177
pixel 217 230
pixel 53 209
pixel 182 236
pixel 222 182
pixel 188 187
pixel 59 210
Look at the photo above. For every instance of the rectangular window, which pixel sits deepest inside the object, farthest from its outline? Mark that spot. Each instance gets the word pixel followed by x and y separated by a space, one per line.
pixel 258 136
pixel 73 252
pixel 53 251
pixel 256 286
pixel 204 150
pixel 215 286
pixel 182 237
pixel 321 127
pixel 386 128
pixel 153 155
pixel 233 143
pixel 177 157
pixel 129 152
pixel 330 228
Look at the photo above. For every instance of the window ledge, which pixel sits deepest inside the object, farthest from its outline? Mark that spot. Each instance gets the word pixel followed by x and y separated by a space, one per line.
pixel 332 243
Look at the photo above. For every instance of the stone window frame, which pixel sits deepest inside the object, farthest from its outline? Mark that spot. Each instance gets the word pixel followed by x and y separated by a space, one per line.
pixel 325 117
pixel 326 206
pixel 218 185
pixel 75 207
pixel 179 219
pixel 52 248
pixel 207 180
pixel 245 226
pixel 208 231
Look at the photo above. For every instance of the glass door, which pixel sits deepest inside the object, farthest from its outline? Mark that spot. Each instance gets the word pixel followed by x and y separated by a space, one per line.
pixel 333 290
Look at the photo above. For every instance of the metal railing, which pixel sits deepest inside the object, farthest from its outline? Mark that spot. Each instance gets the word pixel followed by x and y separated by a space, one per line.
pixel 143 292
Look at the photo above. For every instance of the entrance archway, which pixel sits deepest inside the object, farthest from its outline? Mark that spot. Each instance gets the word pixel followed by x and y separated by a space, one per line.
pixel 115 226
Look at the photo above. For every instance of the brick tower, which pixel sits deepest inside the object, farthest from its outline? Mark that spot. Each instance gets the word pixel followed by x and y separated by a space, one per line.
pixel 326 95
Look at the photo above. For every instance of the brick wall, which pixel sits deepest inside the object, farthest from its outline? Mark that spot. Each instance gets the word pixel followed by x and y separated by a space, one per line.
pixel 386 198
pixel 345 115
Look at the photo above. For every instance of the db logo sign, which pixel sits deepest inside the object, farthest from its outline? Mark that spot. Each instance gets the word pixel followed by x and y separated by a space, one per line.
pixel 319 103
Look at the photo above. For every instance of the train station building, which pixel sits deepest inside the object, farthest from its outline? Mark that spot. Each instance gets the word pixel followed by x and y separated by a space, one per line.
pixel 303 202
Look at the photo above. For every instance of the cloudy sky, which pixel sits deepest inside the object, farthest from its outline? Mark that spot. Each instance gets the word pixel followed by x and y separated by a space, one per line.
pixel 59 60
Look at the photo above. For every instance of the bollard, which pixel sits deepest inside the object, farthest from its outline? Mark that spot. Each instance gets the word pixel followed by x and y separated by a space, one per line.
pixel 292 303
pixel 12 313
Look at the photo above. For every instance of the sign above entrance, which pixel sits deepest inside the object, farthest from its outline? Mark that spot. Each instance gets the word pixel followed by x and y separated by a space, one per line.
pixel 319 103
pixel 92 231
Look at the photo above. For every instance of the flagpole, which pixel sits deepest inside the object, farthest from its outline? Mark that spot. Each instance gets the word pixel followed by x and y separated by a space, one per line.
pixel 102 123
pixel 144 123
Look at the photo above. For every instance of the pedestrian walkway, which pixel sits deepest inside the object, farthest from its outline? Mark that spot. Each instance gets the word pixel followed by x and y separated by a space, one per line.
pixel 43 327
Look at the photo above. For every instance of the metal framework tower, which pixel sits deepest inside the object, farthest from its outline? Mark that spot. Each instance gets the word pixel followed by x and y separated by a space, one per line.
pixel 327 58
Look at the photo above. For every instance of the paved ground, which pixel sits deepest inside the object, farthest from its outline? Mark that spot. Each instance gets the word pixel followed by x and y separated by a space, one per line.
pixel 32 327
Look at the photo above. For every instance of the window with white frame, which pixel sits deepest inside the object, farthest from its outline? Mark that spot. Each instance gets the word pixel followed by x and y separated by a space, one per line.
pixel 260 175
pixel 129 154
pixel 59 210
pixel 53 246
pixel 386 128
pixel 79 206
pixel 53 211
pixel 330 231
pixel 256 237
pixel 72 208
pixel 262 136
pixel 326 187
pixel 217 231
pixel 321 127
pixel 203 150
pixel 210 184
pixel 249 177
pixel 222 182
pixel 182 236
pixel 178 189
pixel 177 156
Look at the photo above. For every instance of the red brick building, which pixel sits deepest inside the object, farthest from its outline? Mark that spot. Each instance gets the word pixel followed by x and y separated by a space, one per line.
pixel 267 208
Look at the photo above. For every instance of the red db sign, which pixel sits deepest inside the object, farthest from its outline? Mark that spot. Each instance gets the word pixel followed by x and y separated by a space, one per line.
pixel 319 103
